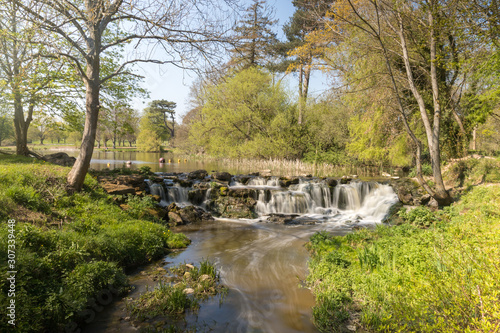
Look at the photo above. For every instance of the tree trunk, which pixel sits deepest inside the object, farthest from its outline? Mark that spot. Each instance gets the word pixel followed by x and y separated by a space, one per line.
pixel 77 174
pixel 432 131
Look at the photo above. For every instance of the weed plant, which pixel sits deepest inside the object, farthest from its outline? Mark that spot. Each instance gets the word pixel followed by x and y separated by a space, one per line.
pixel 441 278
pixel 68 247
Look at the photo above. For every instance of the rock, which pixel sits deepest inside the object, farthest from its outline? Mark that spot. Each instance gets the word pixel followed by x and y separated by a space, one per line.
pixel 222 176
pixel 188 291
pixel 331 182
pixel 197 196
pixel 155 197
pixel 433 204
pixel 282 218
pixel 198 174
pixel 132 180
pixel 345 180
pixel 60 159
pixel 242 193
pixel 204 277
pixel 115 189
pixel 175 218
pixel 243 179
pixel 189 266
pixel 287 181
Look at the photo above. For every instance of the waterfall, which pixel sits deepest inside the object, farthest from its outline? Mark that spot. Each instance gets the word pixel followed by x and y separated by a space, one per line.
pixel 157 189
pixel 361 201
pixel 178 194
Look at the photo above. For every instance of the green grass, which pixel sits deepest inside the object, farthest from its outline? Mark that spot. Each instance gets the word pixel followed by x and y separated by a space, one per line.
pixel 68 247
pixel 439 275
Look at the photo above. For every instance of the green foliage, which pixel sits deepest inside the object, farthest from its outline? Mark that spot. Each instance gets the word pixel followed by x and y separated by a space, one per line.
pixel 426 170
pixel 405 278
pixel 178 241
pixel 247 116
pixel 60 269
pixel 172 299
pixel 419 216
pixel 148 139
pixel 471 171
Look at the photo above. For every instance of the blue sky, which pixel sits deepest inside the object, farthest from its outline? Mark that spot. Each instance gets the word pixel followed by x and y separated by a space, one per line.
pixel 171 83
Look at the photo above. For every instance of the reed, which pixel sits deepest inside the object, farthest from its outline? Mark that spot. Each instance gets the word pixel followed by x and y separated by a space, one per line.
pixel 289 168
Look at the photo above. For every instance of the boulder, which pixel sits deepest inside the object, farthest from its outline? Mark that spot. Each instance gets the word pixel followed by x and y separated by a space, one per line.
pixel 345 180
pixel 198 174
pixel 222 176
pixel 197 196
pixel 174 218
pixel 60 159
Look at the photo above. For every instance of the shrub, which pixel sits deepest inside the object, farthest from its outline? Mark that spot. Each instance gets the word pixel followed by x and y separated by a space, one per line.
pixel 419 216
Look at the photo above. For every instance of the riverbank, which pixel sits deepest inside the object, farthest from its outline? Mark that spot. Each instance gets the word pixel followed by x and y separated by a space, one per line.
pixel 69 253
pixel 436 272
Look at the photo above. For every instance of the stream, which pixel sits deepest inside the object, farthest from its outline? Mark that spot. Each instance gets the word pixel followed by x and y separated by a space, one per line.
pixel 263 264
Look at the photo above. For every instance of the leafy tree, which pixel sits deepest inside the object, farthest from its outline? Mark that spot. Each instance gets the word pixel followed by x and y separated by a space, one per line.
pixel 246 116
pixel 159 112
pixel 28 80
pixel 305 43
pixel 148 139
pixel 254 37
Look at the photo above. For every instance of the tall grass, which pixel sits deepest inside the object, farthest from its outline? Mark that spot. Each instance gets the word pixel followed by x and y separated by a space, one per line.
pixel 289 168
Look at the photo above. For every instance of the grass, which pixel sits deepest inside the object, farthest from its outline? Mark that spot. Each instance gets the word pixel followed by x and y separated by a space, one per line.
pixel 187 286
pixel 435 273
pixel 69 248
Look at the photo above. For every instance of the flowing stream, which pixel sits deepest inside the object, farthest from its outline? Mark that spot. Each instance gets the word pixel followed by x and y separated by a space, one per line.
pixel 264 264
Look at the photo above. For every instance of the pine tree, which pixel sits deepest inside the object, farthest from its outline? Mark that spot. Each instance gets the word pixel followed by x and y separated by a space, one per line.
pixel 255 37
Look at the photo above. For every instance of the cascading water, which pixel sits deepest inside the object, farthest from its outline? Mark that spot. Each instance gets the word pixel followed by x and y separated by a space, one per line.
pixel 159 190
pixel 362 202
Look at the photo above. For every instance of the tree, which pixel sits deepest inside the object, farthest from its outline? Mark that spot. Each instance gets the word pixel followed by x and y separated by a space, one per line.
pixel 413 39
pixel 42 127
pixel 254 37
pixel 159 112
pixel 246 116
pixel 148 139
pixel 29 79
pixel 89 29
pixel 6 130
pixel 304 44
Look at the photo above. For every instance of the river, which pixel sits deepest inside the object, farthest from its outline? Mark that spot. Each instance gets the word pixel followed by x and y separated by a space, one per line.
pixel 262 264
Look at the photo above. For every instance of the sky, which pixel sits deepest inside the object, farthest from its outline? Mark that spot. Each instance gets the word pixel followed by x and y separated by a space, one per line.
pixel 173 84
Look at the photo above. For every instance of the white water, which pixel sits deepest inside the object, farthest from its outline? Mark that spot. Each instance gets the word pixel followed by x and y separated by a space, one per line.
pixel 360 202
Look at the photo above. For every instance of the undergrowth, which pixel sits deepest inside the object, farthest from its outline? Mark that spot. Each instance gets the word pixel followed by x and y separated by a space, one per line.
pixel 430 274
pixel 68 247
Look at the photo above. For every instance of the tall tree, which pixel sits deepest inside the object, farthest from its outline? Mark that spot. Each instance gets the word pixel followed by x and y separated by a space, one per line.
pixel 89 29
pixel 30 80
pixel 254 36
pixel 161 114
pixel 304 43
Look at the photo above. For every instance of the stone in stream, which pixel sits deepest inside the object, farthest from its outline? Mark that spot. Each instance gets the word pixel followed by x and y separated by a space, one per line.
pixel 198 174
pixel 222 176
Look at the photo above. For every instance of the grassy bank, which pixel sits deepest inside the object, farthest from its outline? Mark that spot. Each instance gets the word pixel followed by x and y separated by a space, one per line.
pixel 434 273
pixel 69 249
